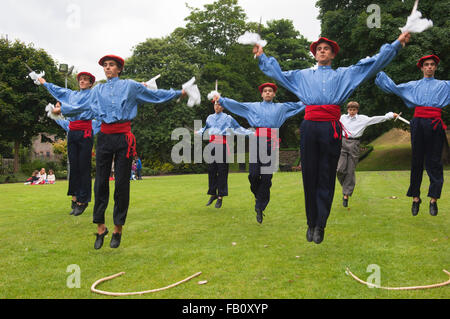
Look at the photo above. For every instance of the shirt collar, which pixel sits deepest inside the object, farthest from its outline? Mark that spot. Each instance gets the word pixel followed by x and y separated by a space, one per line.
pixel 113 79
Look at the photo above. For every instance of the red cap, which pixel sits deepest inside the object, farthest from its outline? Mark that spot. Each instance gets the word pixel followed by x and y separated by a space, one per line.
pixel 272 85
pixel 116 58
pixel 427 57
pixel 88 74
pixel 333 44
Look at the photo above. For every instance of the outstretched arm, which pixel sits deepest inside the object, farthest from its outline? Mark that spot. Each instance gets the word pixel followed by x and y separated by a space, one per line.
pixel 238 108
pixel 369 67
pixel 145 95
pixel 404 90
pixel 293 108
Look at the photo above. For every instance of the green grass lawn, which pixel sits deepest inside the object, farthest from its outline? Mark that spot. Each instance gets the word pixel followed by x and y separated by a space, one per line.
pixel 170 235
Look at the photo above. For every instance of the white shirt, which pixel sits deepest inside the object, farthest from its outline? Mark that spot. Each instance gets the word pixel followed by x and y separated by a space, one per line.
pixel 355 125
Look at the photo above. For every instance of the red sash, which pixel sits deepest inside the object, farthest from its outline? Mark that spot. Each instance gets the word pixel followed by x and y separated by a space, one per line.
pixel 430 112
pixel 218 139
pixel 270 134
pixel 121 128
pixel 326 113
pixel 85 126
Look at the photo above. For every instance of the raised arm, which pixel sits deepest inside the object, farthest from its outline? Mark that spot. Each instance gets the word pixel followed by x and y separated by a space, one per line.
pixel 288 79
pixel 59 93
pixel 238 108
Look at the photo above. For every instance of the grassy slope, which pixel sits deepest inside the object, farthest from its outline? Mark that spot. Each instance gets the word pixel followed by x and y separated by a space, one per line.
pixel 170 235
pixel 392 151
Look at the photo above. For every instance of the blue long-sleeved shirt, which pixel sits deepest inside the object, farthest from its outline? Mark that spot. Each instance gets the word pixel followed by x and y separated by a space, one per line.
pixel 117 100
pixel 223 124
pixel 324 86
pixel 425 92
pixel 96 125
pixel 263 114
pixel 72 97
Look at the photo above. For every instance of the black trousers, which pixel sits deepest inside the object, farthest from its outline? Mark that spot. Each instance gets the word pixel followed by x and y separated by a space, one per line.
pixel 260 182
pixel 79 152
pixel 427 144
pixel 112 147
pixel 319 153
pixel 218 172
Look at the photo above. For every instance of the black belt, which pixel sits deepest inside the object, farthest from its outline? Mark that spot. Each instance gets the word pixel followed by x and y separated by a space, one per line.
pixel 353 138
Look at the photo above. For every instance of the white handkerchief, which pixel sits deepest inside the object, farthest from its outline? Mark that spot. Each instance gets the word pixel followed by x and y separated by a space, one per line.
pixel 49 108
pixel 251 38
pixel 416 24
pixel 151 84
pixel 212 94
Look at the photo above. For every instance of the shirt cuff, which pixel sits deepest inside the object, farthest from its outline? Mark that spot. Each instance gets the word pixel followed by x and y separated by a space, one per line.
pixel 397 45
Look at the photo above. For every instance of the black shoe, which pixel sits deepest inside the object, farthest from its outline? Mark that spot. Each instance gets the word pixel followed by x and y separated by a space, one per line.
pixel 345 202
pixel 415 207
pixel 74 204
pixel 433 209
pixel 211 200
pixel 309 234
pixel 259 215
pixel 318 235
pixel 99 239
pixel 115 240
pixel 219 203
pixel 79 209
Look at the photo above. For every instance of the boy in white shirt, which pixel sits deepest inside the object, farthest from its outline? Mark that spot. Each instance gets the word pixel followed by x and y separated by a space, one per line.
pixel 355 124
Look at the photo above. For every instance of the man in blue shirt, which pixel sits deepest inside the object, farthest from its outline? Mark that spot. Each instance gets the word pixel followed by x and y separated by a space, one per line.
pixel 219 127
pixel 267 117
pixel 428 97
pixel 80 140
pixel 324 90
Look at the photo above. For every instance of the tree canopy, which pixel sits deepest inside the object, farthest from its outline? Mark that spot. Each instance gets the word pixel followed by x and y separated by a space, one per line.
pixel 22 111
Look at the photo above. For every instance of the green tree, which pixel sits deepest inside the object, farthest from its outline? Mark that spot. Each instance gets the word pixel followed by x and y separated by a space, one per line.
pixel 22 103
pixel 346 22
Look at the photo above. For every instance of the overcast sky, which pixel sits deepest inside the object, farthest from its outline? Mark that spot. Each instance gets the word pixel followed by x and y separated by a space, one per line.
pixel 80 32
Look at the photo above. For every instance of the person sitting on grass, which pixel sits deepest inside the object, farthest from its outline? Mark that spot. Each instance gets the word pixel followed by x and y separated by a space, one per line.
pixel 42 176
pixel 34 177
pixel 51 179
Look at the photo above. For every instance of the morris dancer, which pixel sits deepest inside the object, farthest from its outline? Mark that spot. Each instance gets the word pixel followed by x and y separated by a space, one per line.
pixel 355 125
pixel 114 104
pixel 80 140
pixel 74 186
pixel 428 96
pixel 219 127
pixel 267 117
pixel 323 90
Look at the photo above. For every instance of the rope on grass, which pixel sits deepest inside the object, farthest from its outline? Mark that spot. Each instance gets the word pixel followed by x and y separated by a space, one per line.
pixel 93 289
pixel 402 288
